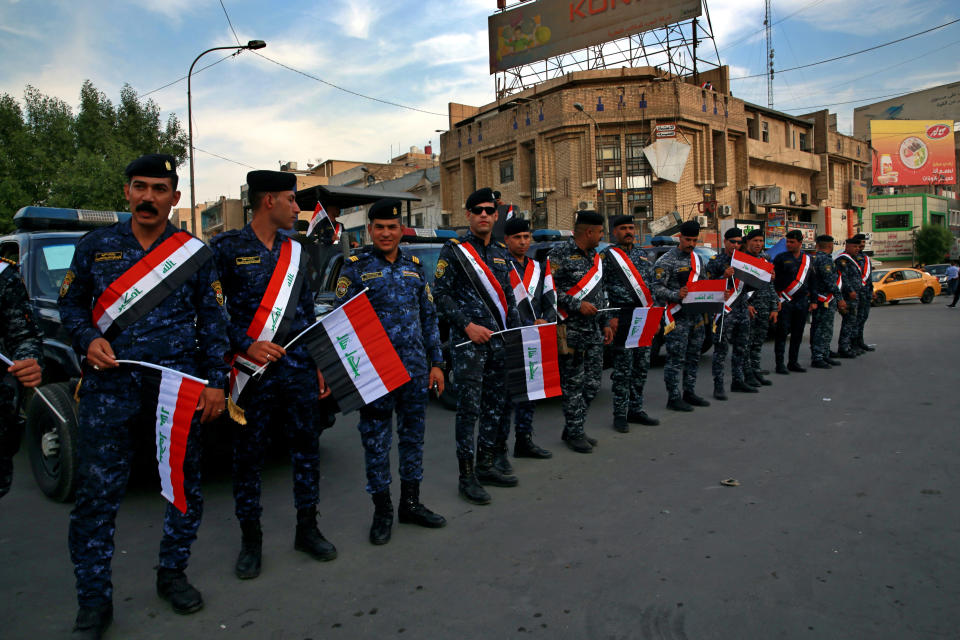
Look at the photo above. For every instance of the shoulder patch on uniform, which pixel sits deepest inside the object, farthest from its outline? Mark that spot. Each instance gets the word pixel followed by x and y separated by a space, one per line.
pixel 342 285
pixel 218 289
pixel 415 259
pixel 658 271
pixel 107 256
pixel 242 260
pixel 67 280
pixel 827 267
pixel 354 258
pixel 441 268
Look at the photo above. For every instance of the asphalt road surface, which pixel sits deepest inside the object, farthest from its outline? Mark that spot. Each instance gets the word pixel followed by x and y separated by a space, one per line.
pixel 845 525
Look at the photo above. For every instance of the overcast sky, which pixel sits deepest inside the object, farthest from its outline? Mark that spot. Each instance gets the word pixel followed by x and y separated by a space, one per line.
pixel 423 54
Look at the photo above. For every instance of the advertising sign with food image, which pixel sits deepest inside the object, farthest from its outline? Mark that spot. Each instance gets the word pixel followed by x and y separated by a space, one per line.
pixel 912 152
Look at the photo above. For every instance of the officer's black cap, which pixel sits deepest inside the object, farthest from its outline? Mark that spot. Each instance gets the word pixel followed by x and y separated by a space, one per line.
pixel 756 233
pixel 794 234
pixel 690 229
pixel 859 238
pixel 496 194
pixel 733 233
pixel 824 238
pixel 154 165
pixel 589 217
pixel 386 209
pixel 479 197
pixel 619 220
pixel 515 225
pixel 853 240
pixel 263 181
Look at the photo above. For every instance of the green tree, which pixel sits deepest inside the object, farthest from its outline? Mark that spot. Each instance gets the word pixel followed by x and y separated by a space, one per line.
pixel 933 243
pixel 53 157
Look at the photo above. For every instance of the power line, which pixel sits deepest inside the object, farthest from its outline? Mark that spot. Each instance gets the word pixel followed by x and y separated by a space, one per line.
pixel 834 104
pixel 229 21
pixel 170 84
pixel 855 53
pixel 217 155
pixel 345 90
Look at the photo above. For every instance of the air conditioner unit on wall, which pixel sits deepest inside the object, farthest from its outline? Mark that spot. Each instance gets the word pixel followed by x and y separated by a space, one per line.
pixel 586 205
pixel 702 221
pixel 724 210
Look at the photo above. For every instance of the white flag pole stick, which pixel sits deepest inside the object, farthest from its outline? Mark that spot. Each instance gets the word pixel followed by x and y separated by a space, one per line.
pixel 495 333
pixel 158 367
pixel 7 361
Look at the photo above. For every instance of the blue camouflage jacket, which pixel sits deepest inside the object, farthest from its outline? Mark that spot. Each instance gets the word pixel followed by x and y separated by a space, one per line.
pixel 20 338
pixel 823 277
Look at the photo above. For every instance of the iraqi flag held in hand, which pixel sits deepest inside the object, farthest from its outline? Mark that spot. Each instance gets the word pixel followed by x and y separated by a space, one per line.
pixel 637 326
pixel 176 396
pixel 704 296
pixel 533 371
pixel 354 353
pixel 244 371
pixel 754 272
pixel 319 213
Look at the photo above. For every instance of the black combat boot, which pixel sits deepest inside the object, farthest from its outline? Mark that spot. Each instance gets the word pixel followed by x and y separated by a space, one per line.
pixel 742 387
pixel 718 391
pixel 580 443
pixel 309 539
pixel 620 424
pixel 820 364
pixel 92 622
pixel 781 368
pixel 412 511
pixel 691 398
pixel 678 404
pixel 488 473
pixel 833 363
pixel 757 380
pixel 500 460
pixel 382 518
pixel 251 550
pixel 846 354
pixel 470 489
pixel 796 368
pixel 865 347
pixel 641 417
pixel 525 447
pixel 172 586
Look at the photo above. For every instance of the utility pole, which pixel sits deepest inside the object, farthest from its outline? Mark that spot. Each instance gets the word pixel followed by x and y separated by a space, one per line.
pixel 768 26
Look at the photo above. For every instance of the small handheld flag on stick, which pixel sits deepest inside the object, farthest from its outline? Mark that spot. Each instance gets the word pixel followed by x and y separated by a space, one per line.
pixel 637 326
pixel 533 369
pixel 7 361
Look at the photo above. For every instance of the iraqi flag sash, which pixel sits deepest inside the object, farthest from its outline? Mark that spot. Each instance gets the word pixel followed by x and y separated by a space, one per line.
pixel 176 396
pixel 533 370
pixel 866 270
pixel 484 282
pixel 147 283
pixel 637 326
pixel 278 307
pixel 549 290
pixel 754 272
pixel 587 285
pixel 628 272
pixel 827 299
pixel 704 296
pixel 520 294
pixel 792 288
pixel 354 353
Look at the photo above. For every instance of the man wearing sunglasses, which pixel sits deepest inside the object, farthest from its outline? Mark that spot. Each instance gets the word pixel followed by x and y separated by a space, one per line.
pixel 473 294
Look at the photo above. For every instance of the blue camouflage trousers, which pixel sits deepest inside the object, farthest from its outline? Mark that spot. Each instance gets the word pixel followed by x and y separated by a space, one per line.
pixel 481 389
pixel 285 402
pixel 849 324
pixel 11 426
pixel 522 413
pixel 732 334
pixel 628 377
pixel 580 374
pixel 863 312
pixel 108 425
pixel 759 327
pixel 376 432
pixel 683 346
pixel 821 332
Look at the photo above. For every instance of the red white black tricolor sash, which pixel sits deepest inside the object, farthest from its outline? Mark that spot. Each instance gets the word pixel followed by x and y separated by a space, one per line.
pixel 865 271
pixel 533 370
pixel 549 290
pixel 827 299
pixel 483 280
pixel 587 285
pixel 148 282
pixel 174 397
pixel 792 288
pixel 637 326
pixel 668 316
pixel 629 274
pixel 522 296
pixel 278 307
pixel 754 272
pixel 355 355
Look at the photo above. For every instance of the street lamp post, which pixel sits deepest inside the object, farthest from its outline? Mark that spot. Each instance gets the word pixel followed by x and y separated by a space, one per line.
pixel 251 45
pixel 579 107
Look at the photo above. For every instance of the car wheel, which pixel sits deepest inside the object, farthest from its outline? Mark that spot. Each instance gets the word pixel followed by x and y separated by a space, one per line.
pixel 449 396
pixel 927 296
pixel 52 444
pixel 879 298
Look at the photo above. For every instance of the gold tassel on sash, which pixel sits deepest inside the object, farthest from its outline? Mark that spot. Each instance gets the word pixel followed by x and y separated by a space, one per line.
pixel 236 413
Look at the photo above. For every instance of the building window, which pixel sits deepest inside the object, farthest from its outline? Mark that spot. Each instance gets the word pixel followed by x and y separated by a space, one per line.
pixel 831 173
pixel 609 170
pixel 183 225
pixel 803 142
pixel 753 131
pixel 896 221
pixel 938 219
pixel 506 171
pixel 839 145
pixel 765 131
pixel 639 176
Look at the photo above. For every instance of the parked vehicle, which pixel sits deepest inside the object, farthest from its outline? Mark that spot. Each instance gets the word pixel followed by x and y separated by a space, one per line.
pixel 939 271
pixel 894 285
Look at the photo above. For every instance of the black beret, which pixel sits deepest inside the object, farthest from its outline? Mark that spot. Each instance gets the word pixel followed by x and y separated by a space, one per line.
pixel 860 238
pixel 496 194
pixel 853 240
pixel 619 220
pixel 269 181
pixel 756 233
pixel 824 238
pixel 690 229
pixel 795 234
pixel 153 165
pixel 515 225
pixel 589 217
pixel 385 209
pixel 480 196
pixel 735 232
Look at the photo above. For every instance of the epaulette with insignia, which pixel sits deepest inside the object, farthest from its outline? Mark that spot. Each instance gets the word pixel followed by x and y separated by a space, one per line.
pixel 501 245
pixel 454 240
pixel 354 258
pixel 415 259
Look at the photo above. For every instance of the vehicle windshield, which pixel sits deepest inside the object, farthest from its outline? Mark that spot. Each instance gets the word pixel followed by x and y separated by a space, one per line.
pixel 705 252
pixel 936 269
pixel 50 266
pixel 876 276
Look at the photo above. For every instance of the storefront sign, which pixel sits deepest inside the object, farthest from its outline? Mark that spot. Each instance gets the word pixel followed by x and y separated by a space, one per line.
pixel 912 152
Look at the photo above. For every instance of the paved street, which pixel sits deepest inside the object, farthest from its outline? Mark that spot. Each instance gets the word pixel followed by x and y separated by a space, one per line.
pixel 845 525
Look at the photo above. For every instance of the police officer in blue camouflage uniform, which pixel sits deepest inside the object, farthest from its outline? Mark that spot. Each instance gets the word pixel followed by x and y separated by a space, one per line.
pixel 630 366
pixel 286 396
pixel 185 330
pixel 478 365
pixel 854 296
pixel 583 333
pixel 825 293
pixel 863 310
pixel 517 238
pixel 20 341
pixel 763 306
pixel 683 343
pixel 792 319
pixel 733 329
pixel 400 295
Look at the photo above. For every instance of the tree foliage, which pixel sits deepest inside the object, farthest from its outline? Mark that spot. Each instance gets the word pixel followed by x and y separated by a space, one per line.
pixel 933 243
pixel 57 158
